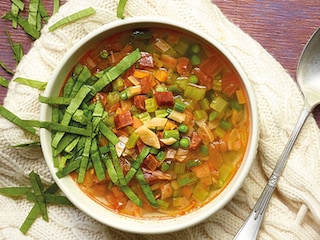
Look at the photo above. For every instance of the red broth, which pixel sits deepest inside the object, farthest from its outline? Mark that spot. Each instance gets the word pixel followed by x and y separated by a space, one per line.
pixel 182 104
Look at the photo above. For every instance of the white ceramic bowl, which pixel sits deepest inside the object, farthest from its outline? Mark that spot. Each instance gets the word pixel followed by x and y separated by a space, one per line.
pixel 97 211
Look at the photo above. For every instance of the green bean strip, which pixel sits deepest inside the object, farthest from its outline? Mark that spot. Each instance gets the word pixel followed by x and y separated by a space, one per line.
pixel 146 188
pixel 50 199
pixel 15 119
pixel 14 191
pixel 96 160
pixel 85 159
pixel 29 29
pixel 4 67
pixel 35 211
pixel 64 143
pixel 84 75
pixel 56 6
pixel 31 83
pixel 110 169
pixel 72 18
pixel 54 100
pixel 4 82
pixel 56 127
pixel 19 4
pixel 69 168
pixel 136 164
pixel 43 12
pixel 74 105
pixel 114 72
pixel 16 49
pixel 33 13
pixel 39 193
pixel 107 132
pixel 120 8
pixel 122 182
pixel 35 144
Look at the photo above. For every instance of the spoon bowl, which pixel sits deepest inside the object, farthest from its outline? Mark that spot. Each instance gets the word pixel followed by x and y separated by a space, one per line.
pixel 308 78
pixel 308 70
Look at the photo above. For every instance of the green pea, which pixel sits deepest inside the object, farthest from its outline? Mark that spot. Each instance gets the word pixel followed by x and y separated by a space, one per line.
pixel 104 54
pixel 184 142
pixel 193 79
pixel 195 48
pixel 183 128
pixel 195 60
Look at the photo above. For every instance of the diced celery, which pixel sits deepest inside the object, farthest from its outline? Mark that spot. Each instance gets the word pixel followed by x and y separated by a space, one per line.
pixel 161 113
pixel 225 125
pixel 195 92
pixel 219 104
pixel 132 141
pixel 213 115
pixel 151 104
pixel 162 204
pixel 200 192
pixel 182 82
pixel 200 114
pixel 118 84
pixel 179 168
pixel 204 104
pixel 171 133
pixel 144 116
pixel 219 132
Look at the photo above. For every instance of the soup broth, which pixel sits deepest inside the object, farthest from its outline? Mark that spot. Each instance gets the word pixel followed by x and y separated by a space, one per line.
pixel 168 130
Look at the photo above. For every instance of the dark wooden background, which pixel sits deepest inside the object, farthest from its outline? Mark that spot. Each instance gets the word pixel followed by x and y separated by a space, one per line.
pixel 281 27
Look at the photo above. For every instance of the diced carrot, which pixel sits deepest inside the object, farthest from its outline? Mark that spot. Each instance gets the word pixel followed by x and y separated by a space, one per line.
pixel 184 66
pixel 161 75
pixel 125 105
pixel 136 122
pixel 168 61
pixel 170 125
pixel 114 107
pixel 186 191
pixel 215 157
pixel 241 97
pixel 138 73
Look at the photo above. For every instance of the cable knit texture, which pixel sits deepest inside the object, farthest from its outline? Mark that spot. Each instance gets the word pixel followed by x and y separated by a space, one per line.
pixel 294 210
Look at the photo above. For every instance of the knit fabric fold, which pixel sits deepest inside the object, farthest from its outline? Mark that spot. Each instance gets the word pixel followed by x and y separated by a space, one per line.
pixel 294 210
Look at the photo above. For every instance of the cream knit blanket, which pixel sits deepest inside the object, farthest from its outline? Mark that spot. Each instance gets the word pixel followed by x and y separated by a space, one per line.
pixel 294 211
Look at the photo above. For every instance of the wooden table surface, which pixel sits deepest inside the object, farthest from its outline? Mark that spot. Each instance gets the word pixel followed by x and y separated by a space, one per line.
pixel 281 27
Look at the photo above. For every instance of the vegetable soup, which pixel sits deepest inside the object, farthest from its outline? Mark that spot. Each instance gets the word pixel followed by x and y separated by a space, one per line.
pixel 165 119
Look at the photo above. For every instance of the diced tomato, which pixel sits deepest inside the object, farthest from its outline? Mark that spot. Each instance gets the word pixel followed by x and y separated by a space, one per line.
pixel 211 66
pixel 164 99
pixel 138 101
pixel 146 60
pixel 123 119
pixel 204 80
pixel 229 84
pixel 184 66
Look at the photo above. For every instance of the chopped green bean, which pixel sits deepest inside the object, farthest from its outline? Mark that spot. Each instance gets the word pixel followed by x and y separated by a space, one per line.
pixel 39 193
pixel 14 191
pixel 120 8
pixel 146 188
pixel 5 113
pixel 72 18
pixel 54 100
pixel 4 82
pixel 31 83
pixel 136 164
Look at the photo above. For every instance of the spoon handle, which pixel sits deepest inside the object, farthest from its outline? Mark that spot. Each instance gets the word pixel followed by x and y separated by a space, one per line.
pixel 251 226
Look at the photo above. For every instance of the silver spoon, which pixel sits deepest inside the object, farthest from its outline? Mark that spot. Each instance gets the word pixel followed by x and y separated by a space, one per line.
pixel 308 77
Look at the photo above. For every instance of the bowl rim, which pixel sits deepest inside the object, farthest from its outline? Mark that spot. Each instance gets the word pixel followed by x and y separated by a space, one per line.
pixel 151 226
